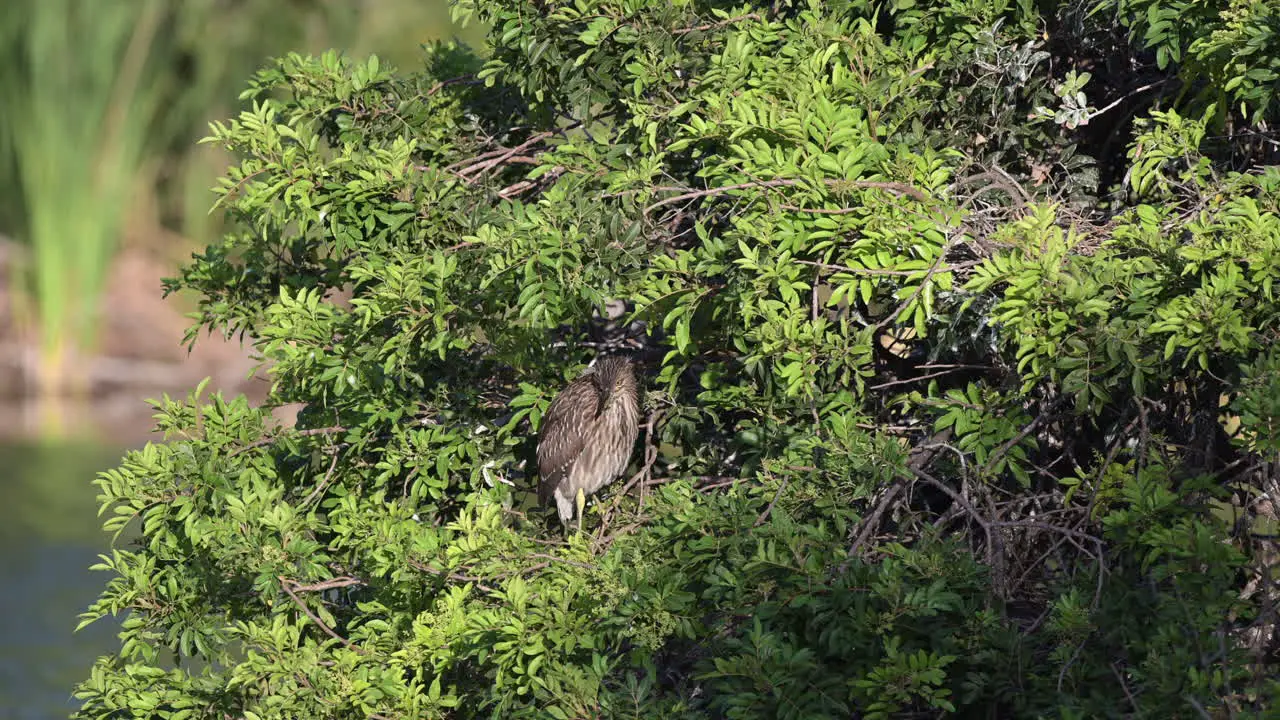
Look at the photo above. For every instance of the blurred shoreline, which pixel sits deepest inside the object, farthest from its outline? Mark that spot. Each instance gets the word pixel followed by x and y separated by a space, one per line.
pixel 140 356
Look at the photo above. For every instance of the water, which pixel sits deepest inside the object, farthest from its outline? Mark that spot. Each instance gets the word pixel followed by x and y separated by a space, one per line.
pixel 49 536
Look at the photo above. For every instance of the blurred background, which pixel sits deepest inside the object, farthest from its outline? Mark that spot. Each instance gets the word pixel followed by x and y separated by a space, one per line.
pixel 103 193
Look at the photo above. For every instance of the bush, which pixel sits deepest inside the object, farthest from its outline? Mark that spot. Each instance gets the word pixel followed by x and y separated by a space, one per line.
pixel 934 423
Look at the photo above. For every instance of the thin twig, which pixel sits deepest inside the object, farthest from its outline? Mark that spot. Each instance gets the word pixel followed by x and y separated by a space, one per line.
pixel 311 432
pixel 485 161
pixel 917 378
pixel 814 308
pixel 872 521
pixel 333 584
pixel 467 79
pixel 641 476
pixel 1121 99
pixel 781 487
pixel 716 25
pixel 924 282
pixel 521 186
pixel 1000 180
pixel 824 211
pixel 553 558
pixel 1062 674
pixel 1198 707
pixel 1049 528
pixel 921 457
pixel 452 576
pixel 721 482
pixel 900 188
pixel 603 544
pixel 328 477
pixel 856 271
pixel 284 585
pixel 995 548
pixel 1009 444
pixel 1133 702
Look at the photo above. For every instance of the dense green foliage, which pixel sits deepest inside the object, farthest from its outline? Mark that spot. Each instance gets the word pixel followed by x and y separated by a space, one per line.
pixel 961 393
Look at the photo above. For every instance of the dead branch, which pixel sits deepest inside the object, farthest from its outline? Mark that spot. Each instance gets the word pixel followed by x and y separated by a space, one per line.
pixel 471 168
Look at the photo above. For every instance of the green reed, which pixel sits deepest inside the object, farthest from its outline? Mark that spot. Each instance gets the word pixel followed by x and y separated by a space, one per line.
pixel 80 92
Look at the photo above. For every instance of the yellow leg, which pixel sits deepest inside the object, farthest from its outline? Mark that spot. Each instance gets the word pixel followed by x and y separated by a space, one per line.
pixel 582 503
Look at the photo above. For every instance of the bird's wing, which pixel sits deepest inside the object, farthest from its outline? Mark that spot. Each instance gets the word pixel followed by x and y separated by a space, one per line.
pixel 563 434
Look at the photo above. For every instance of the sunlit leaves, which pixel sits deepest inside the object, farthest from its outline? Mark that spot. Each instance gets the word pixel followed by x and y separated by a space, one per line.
pixel 1230 48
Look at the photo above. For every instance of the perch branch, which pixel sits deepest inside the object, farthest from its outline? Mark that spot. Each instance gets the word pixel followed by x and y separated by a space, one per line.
pixel 451 576
pixel 765 514
pixel 900 188
pixel 333 584
pixel 285 585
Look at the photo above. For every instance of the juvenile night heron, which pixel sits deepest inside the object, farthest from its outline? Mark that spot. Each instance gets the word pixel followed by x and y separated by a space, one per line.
pixel 587 435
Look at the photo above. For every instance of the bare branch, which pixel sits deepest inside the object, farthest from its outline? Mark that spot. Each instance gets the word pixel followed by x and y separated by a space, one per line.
pixel 900 188
pixel 285 584
pixel 333 584
pixel 716 25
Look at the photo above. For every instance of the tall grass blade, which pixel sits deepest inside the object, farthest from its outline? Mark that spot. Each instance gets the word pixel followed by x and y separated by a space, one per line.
pixel 80 96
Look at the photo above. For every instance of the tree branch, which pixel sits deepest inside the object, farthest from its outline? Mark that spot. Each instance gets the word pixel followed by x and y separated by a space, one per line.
pixel 285 585
pixel 900 188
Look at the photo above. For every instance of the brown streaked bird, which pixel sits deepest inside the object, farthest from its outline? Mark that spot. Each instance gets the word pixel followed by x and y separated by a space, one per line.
pixel 587 435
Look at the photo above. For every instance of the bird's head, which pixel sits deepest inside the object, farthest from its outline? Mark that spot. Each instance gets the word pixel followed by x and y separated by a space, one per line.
pixel 613 376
